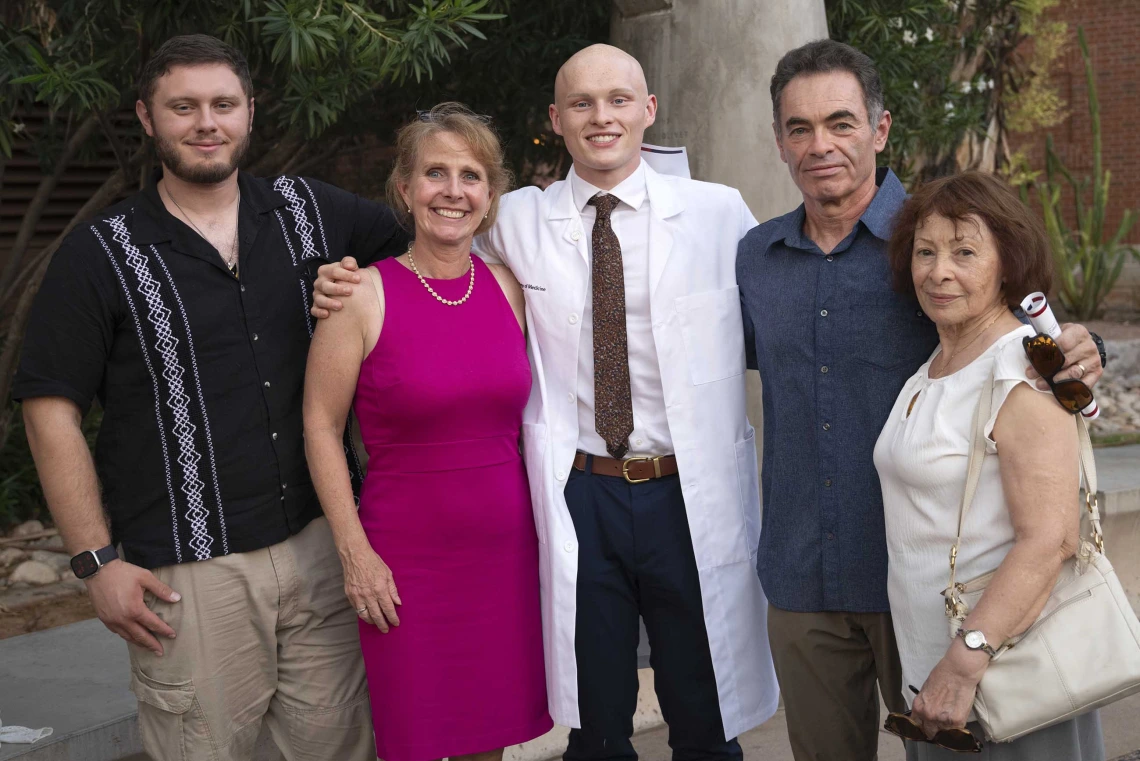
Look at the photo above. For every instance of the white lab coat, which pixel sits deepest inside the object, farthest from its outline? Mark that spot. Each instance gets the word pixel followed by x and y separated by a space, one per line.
pixel 699 336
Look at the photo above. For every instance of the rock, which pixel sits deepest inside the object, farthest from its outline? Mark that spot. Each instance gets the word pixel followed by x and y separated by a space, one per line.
pixel 55 560
pixel 28 527
pixel 51 541
pixel 33 572
pixel 11 556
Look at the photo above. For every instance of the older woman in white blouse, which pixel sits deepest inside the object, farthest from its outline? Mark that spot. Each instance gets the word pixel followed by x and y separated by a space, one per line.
pixel 970 251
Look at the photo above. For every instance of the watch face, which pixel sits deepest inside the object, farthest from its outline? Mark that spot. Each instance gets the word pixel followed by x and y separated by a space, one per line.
pixel 84 564
pixel 975 640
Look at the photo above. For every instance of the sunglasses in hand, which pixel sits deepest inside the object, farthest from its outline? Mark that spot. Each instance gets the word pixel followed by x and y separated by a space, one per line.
pixel 959 740
pixel 1048 360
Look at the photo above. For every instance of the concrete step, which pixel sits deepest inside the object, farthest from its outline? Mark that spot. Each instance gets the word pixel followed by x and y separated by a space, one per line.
pixel 1118 476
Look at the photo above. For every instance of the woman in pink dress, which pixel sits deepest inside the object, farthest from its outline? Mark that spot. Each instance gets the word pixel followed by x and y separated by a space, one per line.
pixel 441 562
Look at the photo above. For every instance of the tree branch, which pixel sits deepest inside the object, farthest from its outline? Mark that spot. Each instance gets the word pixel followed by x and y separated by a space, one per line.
pixel 9 357
pixel 272 160
pixel 116 144
pixel 40 200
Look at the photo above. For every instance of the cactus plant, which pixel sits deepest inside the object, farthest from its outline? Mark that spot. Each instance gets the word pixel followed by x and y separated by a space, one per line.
pixel 1087 263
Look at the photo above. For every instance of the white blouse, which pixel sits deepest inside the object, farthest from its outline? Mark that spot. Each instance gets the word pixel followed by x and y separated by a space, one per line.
pixel 921 458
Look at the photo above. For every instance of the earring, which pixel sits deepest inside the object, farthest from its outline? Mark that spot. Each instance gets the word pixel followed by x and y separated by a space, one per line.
pixel 409 209
pixel 486 215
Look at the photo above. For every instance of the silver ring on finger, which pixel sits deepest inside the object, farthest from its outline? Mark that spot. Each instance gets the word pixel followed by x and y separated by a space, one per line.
pixel 1082 369
pixel 361 611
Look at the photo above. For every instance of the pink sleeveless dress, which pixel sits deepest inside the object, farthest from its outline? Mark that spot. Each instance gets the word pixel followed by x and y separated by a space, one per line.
pixel 446 505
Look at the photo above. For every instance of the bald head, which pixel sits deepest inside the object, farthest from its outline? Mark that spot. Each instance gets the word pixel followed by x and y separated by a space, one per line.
pixel 590 64
pixel 601 109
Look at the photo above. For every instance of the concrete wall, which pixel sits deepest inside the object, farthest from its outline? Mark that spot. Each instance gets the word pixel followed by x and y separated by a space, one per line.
pixel 710 63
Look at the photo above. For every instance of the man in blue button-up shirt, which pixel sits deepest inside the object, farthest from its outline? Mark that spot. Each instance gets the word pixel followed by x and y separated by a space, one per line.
pixel 834 344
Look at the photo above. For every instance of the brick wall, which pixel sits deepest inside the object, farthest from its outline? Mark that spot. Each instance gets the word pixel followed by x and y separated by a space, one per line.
pixel 1112 29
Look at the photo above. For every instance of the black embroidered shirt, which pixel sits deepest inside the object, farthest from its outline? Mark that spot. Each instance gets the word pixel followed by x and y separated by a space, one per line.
pixel 200 374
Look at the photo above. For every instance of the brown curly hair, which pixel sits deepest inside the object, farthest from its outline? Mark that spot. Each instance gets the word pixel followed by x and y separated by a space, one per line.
pixel 1022 243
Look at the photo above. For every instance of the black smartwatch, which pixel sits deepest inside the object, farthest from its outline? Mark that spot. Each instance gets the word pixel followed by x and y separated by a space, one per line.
pixel 87 563
pixel 1100 348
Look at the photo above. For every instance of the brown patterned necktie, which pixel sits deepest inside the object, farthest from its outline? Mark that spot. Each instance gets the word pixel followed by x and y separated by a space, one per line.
pixel 613 407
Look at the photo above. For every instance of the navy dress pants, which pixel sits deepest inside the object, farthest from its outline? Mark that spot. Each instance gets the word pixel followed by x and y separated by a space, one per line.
pixel 635 556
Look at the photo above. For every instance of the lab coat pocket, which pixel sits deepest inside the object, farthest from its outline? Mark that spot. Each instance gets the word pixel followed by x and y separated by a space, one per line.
pixel 534 456
pixel 713 332
pixel 748 479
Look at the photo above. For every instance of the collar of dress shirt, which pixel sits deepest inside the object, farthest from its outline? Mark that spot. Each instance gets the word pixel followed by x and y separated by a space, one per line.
pixel 630 191
pixel 877 218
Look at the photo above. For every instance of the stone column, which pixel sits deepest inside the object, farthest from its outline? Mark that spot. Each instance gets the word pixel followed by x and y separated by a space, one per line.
pixel 710 63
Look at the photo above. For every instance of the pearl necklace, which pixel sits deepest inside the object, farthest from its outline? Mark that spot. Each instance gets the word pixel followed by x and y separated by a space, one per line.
pixel 441 299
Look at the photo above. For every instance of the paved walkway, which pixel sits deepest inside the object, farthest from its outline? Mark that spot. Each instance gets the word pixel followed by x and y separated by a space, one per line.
pixel 769 742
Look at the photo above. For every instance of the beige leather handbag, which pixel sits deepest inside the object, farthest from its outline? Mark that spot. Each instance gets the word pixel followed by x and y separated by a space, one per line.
pixel 1081 653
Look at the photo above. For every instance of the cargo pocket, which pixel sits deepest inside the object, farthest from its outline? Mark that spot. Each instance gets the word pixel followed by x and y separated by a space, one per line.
pixel 171 722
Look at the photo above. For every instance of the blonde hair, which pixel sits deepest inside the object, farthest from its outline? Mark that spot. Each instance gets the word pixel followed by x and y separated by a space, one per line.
pixel 456 119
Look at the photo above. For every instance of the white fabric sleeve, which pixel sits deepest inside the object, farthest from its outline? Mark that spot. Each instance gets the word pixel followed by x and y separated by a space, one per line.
pixel 1010 366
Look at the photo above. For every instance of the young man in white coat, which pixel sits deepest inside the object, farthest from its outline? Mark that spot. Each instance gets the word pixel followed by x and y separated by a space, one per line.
pixel 641 459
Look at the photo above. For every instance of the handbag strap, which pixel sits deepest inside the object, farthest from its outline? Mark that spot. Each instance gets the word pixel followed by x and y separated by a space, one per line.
pixel 973 466
pixel 974 471
pixel 1088 469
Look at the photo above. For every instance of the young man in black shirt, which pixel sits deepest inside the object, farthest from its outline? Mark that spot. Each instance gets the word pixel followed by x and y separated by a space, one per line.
pixel 185 310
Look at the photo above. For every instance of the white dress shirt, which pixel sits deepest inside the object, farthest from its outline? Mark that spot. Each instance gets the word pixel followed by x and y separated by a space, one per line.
pixel 630 222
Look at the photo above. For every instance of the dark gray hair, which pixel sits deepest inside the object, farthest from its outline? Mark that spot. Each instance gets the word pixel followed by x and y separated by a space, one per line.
pixel 823 57
pixel 192 50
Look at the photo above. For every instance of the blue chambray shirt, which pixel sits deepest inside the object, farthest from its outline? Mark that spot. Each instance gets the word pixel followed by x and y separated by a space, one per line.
pixel 834 344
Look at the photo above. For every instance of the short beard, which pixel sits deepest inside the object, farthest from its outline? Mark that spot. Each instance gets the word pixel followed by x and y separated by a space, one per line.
pixel 209 174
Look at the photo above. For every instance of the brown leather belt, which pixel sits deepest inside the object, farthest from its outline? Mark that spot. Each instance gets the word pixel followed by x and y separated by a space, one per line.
pixel 636 470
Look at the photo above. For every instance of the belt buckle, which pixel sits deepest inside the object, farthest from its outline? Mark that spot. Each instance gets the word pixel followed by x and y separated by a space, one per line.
pixel 625 469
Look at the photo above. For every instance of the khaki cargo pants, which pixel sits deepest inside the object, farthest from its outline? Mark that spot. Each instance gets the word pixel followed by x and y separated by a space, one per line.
pixel 267 635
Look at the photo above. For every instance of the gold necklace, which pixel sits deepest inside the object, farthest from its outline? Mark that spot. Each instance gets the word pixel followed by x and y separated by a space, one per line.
pixel 956 352
pixel 232 266
pixel 441 299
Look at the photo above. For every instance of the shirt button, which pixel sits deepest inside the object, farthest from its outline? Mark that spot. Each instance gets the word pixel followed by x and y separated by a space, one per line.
pixel 254 336
pixel 560 475
pixel 823 313
pixel 827 426
pixel 570 397
pixel 830 535
pixel 267 384
pixel 282 487
pixel 827 482
pixel 274 436
pixel 823 369
pixel 638 442
pixel 830 258
pixel 243 289
pixel 573 319
pixel 575 235
pixel 919 313
pixel 569 546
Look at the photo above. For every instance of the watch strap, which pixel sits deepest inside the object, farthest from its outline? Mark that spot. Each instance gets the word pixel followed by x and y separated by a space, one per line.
pixel 1100 349
pixel 106 554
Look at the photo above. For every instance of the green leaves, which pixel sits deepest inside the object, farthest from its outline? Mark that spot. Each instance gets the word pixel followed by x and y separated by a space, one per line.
pixel 311 59
pixel 67 85
pixel 1087 264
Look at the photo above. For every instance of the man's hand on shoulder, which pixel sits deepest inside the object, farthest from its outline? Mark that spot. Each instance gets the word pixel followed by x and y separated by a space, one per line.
pixel 333 279
pixel 1082 357
pixel 117 594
